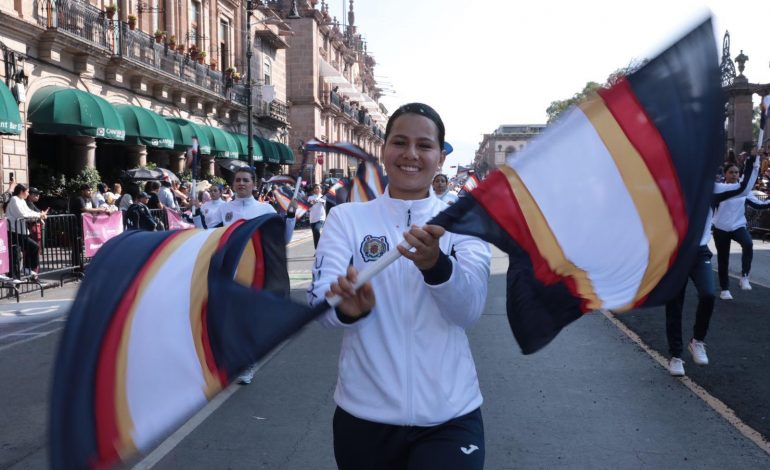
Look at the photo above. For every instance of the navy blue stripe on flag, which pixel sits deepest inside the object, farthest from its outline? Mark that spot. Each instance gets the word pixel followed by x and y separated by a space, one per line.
pixel 244 324
pixel 681 92
pixel 112 270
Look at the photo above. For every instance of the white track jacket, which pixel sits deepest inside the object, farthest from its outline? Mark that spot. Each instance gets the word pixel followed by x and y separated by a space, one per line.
pixel 408 362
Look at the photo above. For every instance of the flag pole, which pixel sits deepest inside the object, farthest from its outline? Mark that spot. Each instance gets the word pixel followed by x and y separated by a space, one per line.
pixel 372 270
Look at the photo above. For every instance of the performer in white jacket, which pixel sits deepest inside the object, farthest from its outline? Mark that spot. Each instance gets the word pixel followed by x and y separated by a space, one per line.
pixel 407 391
pixel 245 207
pixel 730 224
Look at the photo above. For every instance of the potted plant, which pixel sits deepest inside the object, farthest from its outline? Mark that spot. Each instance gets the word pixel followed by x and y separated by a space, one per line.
pixel 236 76
pixel 229 71
pixel 201 56
pixel 159 35
pixel 110 10
pixel 193 52
pixel 172 41
pixel 131 22
pixel 180 49
pixel 213 64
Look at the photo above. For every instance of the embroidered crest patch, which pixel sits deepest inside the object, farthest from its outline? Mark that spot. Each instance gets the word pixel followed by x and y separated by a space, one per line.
pixel 372 248
pixel 228 217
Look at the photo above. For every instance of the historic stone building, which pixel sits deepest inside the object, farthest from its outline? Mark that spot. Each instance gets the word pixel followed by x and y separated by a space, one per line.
pixel 74 65
pixel 331 87
pixel 505 140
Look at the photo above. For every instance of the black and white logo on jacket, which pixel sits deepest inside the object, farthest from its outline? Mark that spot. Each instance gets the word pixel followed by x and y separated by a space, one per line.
pixel 372 248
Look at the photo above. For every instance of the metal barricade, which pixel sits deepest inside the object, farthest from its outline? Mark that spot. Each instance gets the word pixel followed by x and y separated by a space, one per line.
pixel 758 221
pixel 160 214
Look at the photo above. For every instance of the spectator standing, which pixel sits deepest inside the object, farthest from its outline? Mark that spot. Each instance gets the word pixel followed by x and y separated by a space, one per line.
pixel 152 188
pixel 166 195
pixel 317 213
pixel 19 214
pixel 99 199
pixel 79 205
pixel 139 217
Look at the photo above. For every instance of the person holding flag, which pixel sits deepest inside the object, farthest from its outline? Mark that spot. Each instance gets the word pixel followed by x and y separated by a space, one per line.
pixel 407 391
pixel 245 207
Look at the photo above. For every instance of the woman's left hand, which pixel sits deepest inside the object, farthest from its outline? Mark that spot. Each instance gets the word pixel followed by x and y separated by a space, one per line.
pixel 425 247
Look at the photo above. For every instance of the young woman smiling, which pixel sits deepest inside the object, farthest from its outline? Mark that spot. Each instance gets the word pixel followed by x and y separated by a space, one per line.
pixel 407 393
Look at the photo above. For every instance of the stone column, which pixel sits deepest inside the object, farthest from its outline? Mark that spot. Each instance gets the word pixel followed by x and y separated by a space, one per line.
pixel 83 153
pixel 176 161
pixel 207 164
pixel 740 128
pixel 136 155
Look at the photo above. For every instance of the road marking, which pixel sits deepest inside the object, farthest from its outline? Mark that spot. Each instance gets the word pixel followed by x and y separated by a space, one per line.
pixel 187 428
pixel 713 402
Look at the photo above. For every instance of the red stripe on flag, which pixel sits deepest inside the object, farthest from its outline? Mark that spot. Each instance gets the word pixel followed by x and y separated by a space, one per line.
pixel 258 281
pixel 645 137
pixel 107 435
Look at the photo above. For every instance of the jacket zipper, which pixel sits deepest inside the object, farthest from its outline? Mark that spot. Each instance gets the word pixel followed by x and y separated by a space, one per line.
pixel 407 336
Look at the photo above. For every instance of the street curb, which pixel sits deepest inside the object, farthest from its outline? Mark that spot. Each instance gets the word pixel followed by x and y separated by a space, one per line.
pixel 713 402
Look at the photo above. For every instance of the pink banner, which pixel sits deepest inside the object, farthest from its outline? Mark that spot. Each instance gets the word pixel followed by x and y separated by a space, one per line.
pixel 5 263
pixel 97 229
pixel 175 221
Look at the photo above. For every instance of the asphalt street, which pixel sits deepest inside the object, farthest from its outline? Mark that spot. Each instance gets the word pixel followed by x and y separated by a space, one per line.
pixel 594 398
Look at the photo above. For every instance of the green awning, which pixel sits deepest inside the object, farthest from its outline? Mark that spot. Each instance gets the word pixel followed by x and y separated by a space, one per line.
pixel 270 150
pixel 67 111
pixel 222 143
pixel 145 127
pixel 184 131
pixel 287 156
pixel 10 119
pixel 243 148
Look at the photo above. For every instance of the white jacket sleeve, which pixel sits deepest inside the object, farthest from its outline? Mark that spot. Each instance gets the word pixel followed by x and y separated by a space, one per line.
pixel 332 258
pixel 462 297
pixel 18 209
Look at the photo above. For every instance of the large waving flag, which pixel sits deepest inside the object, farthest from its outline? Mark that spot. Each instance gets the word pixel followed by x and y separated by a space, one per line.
pixel 606 209
pixel 145 350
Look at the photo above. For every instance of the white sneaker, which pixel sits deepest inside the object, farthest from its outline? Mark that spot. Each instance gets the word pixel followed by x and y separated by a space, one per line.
pixel 725 295
pixel 698 351
pixel 676 367
pixel 247 375
pixel 745 283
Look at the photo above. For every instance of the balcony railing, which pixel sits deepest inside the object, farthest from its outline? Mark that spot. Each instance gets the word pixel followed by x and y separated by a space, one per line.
pixel 275 110
pixel 88 23
pixel 336 99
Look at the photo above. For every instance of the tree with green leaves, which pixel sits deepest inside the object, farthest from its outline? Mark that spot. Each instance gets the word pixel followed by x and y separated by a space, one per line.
pixel 557 107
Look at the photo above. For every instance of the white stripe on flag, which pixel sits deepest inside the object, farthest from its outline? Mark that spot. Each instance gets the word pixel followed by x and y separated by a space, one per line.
pixel 164 379
pixel 596 204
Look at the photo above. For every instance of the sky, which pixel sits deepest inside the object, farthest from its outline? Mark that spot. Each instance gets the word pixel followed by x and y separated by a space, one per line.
pixel 485 64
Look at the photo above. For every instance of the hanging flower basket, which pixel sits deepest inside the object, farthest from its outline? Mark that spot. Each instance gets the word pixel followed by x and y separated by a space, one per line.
pixel 110 10
pixel 131 22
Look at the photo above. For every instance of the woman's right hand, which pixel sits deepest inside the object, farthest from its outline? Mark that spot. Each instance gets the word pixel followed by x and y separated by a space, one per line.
pixel 355 303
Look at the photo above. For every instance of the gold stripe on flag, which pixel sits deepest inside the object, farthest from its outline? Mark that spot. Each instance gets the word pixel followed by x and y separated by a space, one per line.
pixel 644 191
pixel 546 241
pixel 199 293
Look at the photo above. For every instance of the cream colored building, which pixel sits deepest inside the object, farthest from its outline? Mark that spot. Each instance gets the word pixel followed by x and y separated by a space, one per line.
pixel 331 87
pixel 82 45
pixel 506 140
